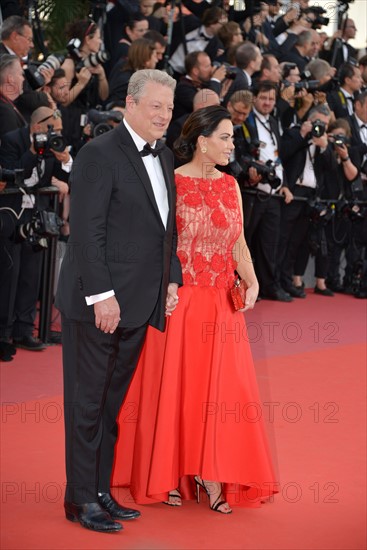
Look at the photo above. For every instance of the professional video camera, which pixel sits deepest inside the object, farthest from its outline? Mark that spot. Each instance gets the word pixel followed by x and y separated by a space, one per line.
pixel 43 142
pixel 34 74
pixel 12 176
pixel 92 60
pixel 267 171
pixel 99 120
pixel 44 223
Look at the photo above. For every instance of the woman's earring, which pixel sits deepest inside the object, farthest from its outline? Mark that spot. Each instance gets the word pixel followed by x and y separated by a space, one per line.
pixel 204 149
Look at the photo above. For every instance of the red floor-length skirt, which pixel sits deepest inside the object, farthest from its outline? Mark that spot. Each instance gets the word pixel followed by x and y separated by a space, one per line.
pixel 193 407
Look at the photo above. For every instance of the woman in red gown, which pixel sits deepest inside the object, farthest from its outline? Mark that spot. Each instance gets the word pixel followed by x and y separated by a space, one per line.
pixel 192 415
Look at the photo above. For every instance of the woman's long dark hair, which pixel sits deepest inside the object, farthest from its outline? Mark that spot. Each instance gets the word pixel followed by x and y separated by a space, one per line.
pixel 202 122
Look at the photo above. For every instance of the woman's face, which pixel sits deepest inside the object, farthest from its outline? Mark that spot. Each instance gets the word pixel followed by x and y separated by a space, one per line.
pixel 152 62
pixel 219 145
pixel 94 42
pixel 138 30
pixel 237 37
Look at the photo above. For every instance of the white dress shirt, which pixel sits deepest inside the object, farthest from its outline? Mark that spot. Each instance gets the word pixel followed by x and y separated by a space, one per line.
pixel 154 170
pixel 269 150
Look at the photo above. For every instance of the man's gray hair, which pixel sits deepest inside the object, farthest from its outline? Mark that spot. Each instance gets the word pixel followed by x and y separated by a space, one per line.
pixel 13 23
pixel 246 53
pixel 321 109
pixel 7 62
pixel 140 78
pixel 319 68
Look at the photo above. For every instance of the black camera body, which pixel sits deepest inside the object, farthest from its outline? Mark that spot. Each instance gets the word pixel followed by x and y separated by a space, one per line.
pixel 319 20
pixel 267 171
pixel 12 176
pixel 310 85
pixel 339 140
pixel 44 224
pixel 43 142
pixel 318 128
pixel 100 120
pixel 92 60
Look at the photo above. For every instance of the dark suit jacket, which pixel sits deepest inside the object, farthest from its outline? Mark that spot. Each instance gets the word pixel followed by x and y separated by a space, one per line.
pixel 117 239
pixel 10 118
pixel 356 136
pixel 15 153
pixel 328 55
pixel 185 93
pixel 339 104
pixel 293 151
pixel 239 83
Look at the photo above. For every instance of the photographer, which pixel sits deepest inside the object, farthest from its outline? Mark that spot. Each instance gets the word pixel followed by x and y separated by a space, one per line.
pixel 258 139
pixel 341 100
pixel 85 75
pixel 302 152
pixel 34 150
pixel 343 183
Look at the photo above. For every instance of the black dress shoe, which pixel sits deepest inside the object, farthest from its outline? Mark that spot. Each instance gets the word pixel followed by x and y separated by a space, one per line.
pixel 280 296
pixel 91 516
pixel 296 291
pixel 7 350
pixel 115 510
pixel 323 291
pixel 29 343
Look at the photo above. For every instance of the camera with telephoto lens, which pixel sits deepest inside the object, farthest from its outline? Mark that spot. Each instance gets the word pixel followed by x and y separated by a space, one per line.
pixel 92 60
pixel 318 128
pixel 44 224
pixel 309 85
pixel 99 120
pixel 43 142
pixel 319 20
pixel 267 171
pixel 34 75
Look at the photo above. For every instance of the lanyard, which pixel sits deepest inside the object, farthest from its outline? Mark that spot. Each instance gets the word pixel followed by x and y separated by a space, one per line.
pixel 268 130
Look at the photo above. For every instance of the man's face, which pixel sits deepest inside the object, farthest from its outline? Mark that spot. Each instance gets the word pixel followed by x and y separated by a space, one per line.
pixel 355 82
pixel 22 42
pixel 14 85
pixel 273 74
pixel 238 111
pixel 150 115
pixel 159 50
pixel 315 44
pixel 350 29
pixel 363 69
pixel 60 91
pixel 203 68
pixel 294 75
pixel 257 63
pixel 361 110
pixel 264 102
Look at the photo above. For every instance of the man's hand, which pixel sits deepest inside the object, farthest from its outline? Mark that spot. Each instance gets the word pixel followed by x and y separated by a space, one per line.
pixel 62 156
pixel 219 73
pixel 107 315
pixel 288 195
pixel 253 176
pixel 306 128
pixel 172 298
pixel 62 187
pixel 2 185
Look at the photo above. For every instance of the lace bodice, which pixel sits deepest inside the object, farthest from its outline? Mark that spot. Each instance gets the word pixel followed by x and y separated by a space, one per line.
pixel 208 225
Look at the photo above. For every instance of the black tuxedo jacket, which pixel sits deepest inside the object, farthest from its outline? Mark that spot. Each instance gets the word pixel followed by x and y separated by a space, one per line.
pixel 240 82
pixel 10 118
pixel 293 151
pixel 356 140
pixel 117 238
pixel 338 103
pixel 328 55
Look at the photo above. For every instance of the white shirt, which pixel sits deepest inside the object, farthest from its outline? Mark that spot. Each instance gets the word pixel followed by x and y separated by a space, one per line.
pixel 196 41
pixel 269 151
pixel 308 178
pixel 154 170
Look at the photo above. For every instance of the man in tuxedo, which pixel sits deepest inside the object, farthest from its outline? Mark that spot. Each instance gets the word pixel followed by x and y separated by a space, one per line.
pixel 119 275
pixel 248 61
pixel 11 86
pixel 259 136
pixel 341 101
pixel 340 51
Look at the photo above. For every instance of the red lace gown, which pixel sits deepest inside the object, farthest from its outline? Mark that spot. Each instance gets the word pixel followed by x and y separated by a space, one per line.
pixel 193 406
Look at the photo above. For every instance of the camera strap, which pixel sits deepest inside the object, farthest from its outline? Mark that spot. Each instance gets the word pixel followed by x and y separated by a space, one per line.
pixel 268 129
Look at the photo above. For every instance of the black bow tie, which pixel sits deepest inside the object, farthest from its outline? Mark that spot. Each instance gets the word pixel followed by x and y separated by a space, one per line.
pixel 350 98
pixel 363 127
pixel 148 150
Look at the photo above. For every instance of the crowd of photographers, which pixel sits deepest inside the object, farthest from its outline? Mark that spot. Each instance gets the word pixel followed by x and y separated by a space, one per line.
pixel 297 99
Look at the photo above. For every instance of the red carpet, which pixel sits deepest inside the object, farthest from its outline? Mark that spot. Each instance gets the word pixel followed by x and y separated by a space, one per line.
pixel 311 363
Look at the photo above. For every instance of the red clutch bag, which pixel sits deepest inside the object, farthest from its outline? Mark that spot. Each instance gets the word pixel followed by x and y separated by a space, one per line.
pixel 238 294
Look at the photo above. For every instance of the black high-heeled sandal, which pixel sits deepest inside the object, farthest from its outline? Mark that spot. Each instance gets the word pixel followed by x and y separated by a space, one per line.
pixel 217 503
pixel 174 494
